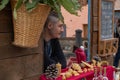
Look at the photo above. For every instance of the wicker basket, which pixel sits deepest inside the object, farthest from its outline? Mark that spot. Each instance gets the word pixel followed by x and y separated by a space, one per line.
pixel 29 25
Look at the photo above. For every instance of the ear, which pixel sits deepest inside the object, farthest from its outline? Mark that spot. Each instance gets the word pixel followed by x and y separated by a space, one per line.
pixel 50 25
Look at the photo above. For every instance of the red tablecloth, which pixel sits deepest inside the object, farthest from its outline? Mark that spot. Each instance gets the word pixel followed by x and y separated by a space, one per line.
pixel 88 75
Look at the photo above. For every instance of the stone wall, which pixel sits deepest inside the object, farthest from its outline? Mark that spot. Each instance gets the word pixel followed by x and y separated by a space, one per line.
pixel 67 43
pixel 67 46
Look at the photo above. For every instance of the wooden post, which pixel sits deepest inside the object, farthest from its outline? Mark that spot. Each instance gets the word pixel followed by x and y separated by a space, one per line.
pixel 78 38
pixel 102 26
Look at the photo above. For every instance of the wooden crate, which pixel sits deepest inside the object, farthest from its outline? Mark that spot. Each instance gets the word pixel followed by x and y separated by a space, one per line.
pixel 108 47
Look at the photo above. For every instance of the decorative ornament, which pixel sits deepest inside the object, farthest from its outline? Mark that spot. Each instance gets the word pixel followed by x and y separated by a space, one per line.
pixel 51 72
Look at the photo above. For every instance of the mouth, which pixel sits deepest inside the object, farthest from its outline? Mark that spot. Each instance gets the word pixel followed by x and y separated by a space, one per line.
pixel 60 33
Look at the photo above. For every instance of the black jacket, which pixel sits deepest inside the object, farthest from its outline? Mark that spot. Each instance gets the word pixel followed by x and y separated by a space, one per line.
pixel 116 35
pixel 56 54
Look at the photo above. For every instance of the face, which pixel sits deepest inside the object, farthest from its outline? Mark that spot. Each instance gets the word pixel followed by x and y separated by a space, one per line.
pixel 56 29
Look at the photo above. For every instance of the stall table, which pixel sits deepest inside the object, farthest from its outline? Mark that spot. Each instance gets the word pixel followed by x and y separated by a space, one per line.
pixel 88 75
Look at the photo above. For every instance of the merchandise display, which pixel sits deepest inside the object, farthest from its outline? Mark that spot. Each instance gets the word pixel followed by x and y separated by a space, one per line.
pixel 89 71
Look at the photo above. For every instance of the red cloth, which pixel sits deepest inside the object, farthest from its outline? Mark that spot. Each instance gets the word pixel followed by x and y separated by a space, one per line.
pixel 109 73
pixel 80 54
pixel 72 60
pixel 88 75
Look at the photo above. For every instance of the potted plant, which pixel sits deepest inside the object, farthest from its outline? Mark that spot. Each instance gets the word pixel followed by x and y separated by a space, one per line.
pixel 28 16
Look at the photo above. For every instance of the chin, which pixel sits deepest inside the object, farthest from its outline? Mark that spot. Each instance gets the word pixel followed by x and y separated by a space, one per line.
pixel 59 36
pixel 56 36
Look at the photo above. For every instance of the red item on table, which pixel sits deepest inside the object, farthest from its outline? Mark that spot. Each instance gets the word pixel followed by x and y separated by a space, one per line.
pixel 72 60
pixel 80 54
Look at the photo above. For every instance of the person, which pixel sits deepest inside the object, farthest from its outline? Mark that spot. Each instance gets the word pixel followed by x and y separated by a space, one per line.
pixel 117 35
pixel 53 53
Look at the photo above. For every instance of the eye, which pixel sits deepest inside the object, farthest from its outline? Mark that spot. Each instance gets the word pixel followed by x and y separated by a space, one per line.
pixel 61 25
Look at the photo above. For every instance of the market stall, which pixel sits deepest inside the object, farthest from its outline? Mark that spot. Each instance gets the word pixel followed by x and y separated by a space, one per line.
pixel 80 69
pixel 89 75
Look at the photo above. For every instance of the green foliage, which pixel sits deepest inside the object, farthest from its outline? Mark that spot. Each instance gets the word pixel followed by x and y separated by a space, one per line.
pixel 3 3
pixel 72 6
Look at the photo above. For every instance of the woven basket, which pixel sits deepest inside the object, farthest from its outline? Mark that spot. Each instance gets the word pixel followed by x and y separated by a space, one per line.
pixel 29 25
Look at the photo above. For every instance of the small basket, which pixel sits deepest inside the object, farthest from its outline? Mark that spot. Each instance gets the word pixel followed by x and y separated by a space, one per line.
pixel 29 25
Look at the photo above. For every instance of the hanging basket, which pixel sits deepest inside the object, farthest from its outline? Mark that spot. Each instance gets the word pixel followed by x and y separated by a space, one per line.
pixel 29 25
